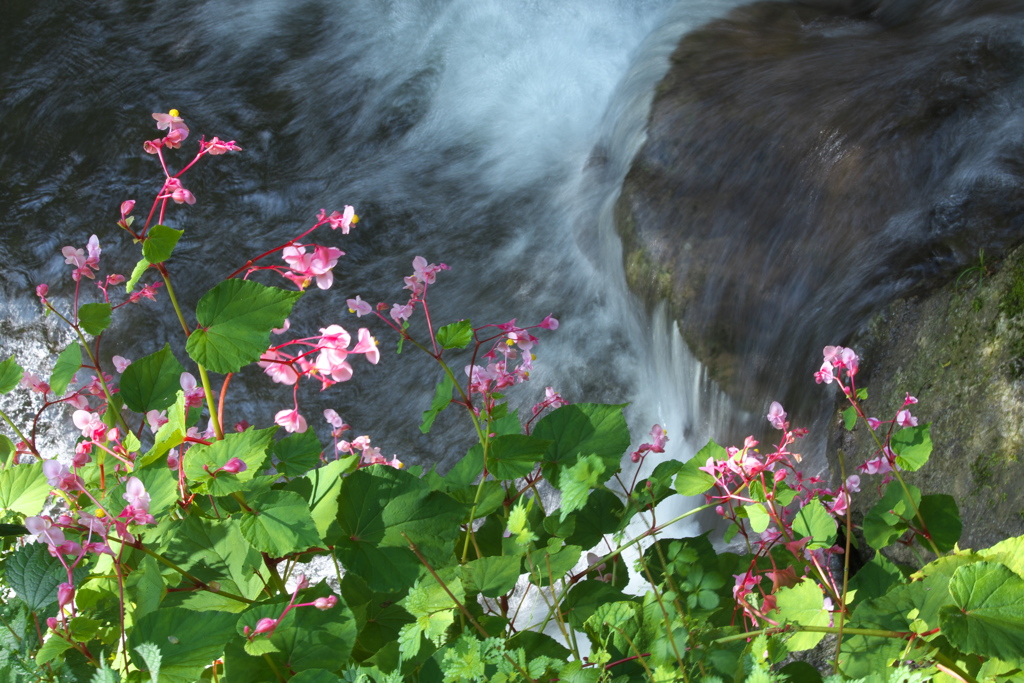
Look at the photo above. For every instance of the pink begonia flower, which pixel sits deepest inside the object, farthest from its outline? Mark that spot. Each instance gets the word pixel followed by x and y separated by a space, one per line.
pixel 359 307
pixel 194 394
pixel 126 207
pixel 265 625
pixel 135 494
pixel 234 466
pixel 291 420
pixel 65 594
pixel 340 220
pixel 173 189
pixel 137 515
pixel 147 292
pixel 905 419
pixel 31 381
pixel 873 422
pixel 280 372
pixel 824 375
pixel 367 346
pixel 42 530
pixel 156 419
pixel 217 146
pixel 401 312
pixel 853 483
pixel 909 400
pixel 840 504
pixel 120 363
pixel 776 415
pixel 41 291
pixel 305 267
pixel 171 122
pixel 333 418
pixel 284 328
pixel 549 323
pixel 92 523
pixel 59 476
pixel 173 459
pixel 326 603
pixel 91 424
pixel 879 465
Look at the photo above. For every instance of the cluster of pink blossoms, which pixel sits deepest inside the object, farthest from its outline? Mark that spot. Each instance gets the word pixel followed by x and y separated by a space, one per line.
pixel 267 625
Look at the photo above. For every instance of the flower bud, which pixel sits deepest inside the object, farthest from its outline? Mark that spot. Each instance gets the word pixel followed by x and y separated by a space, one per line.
pixel 65 593
pixel 265 625
pixel 325 603
pixel 234 466
pixel 51 622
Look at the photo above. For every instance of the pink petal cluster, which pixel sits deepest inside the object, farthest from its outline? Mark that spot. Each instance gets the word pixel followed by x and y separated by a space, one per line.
pixel 85 266
pixel 306 267
pixel 217 146
pixel 370 455
pixel 344 220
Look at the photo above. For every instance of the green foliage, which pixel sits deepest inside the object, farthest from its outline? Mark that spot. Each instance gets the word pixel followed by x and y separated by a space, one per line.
pixel 68 363
pixel 94 318
pixel 442 397
pixel 159 243
pixel 235 319
pixel 151 382
pixel 10 374
pixel 455 335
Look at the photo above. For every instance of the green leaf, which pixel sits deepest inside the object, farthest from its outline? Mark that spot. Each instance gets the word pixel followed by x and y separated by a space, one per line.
pixel 913 447
pixel 850 418
pixel 515 455
pixel 68 363
pixel 442 397
pixel 141 267
pixel 492 576
pixel 585 597
pixel 215 551
pixel 161 485
pixel 160 243
pixel 865 655
pixel 150 655
pixel 234 323
pixel 307 638
pixel 1009 552
pixel 34 575
pixel 465 471
pixel 281 524
pixel 603 514
pixel 875 578
pixel 434 610
pixel 988 616
pixel 885 521
pixel 7 451
pixel 583 429
pixel 577 481
pixel 10 375
pixel 23 488
pixel 814 520
pixel 315 676
pixel 249 446
pixel 548 565
pixel 171 434
pixel 379 504
pixel 152 382
pixel 105 674
pixel 188 641
pixel 692 481
pixel 94 318
pixel 51 649
pixel 758 517
pixel 456 335
pixel 298 453
pixel 942 517
pixel 325 484
pixel 804 605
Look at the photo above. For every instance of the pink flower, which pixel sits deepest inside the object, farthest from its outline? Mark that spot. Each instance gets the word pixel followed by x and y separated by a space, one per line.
pixel 31 381
pixel 776 415
pixel 265 625
pixel 400 312
pixel 367 346
pixel 909 400
pixel 853 483
pixel 305 267
pixel 234 466
pixel 549 323
pixel 41 291
pixel 156 419
pixel 42 530
pixel 194 394
pixel 325 603
pixel 91 424
pixel 174 190
pixel 135 494
pixel 120 363
pixel 59 476
pixel 824 375
pixel 284 328
pixel 173 459
pixel 217 146
pixel 276 365
pixel 174 125
pixel 660 438
pixel 359 307
pixel 340 220
pixel 905 419
pixel 879 465
pixel 65 594
pixel 873 422
pixel 291 420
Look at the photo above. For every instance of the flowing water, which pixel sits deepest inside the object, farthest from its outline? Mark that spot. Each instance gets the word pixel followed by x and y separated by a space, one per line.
pixel 491 135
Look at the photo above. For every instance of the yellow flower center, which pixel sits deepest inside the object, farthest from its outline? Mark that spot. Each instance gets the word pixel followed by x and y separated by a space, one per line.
pixel 173 112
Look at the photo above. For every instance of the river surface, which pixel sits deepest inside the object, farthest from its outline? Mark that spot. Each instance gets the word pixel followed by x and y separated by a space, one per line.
pixel 490 135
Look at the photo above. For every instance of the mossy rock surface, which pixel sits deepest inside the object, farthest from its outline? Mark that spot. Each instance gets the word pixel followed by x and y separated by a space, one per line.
pixel 960 352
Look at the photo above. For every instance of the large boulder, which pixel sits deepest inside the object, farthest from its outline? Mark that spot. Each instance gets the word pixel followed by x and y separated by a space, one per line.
pixel 806 164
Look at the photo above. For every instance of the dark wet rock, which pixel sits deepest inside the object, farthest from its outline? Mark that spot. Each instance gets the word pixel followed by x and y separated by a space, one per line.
pixel 806 165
